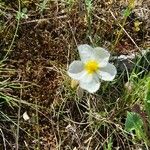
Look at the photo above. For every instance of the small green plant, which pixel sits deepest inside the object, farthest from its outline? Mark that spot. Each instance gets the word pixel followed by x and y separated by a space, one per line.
pixel 42 5
pixel 134 122
pixel 89 8
pixel 22 14
pixel 147 99
pixel 69 4
pixel 126 14
pixel 18 18
pixel 137 120
pixel 109 145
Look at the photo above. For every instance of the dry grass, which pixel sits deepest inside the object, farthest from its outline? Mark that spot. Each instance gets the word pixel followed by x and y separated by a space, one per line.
pixel 40 50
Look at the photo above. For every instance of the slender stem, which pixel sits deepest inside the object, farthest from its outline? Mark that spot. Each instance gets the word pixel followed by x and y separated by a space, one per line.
pixel 18 122
pixel 5 57
pixel 120 32
pixel 89 108
pixel 15 34
pixel 37 121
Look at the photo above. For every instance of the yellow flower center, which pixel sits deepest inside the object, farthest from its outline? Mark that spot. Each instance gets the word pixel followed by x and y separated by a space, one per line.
pixel 91 66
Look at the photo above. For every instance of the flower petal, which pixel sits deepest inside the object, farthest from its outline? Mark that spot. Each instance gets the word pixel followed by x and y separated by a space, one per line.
pixel 102 56
pixel 108 72
pixel 86 52
pixel 76 69
pixel 77 72
pixel 91 87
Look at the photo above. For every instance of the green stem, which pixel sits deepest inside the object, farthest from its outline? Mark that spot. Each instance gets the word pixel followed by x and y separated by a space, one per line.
pixel 15 34
pixel 120 32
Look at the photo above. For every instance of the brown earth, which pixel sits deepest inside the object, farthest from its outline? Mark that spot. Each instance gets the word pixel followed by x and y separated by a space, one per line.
pixel 46 42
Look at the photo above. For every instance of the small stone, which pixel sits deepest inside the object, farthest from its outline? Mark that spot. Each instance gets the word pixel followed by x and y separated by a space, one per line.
pixel 25 116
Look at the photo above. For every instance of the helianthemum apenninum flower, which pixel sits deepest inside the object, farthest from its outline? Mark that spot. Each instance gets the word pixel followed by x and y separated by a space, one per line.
pixel 92 68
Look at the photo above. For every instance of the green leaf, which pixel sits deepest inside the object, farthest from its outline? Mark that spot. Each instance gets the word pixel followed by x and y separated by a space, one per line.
pixel 133 122
pixel 148 91
pixel 109 144
pixel 24 10
pixel 127 12
pixel 147 98
pixel 21 15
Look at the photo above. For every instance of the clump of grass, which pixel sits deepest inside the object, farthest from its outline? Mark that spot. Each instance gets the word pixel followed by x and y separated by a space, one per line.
pixel 139 107
pixel 126 14
pixel 11 101
pixel 137 89
pixel 89 7
pixel 77 119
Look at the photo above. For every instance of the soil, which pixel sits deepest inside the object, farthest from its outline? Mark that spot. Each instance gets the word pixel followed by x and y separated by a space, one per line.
pixel 48 40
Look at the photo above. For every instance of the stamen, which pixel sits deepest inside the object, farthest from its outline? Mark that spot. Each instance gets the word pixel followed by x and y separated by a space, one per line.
pixel 91 66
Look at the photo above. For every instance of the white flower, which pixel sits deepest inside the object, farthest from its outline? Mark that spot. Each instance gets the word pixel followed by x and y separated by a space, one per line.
pixel 93 66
